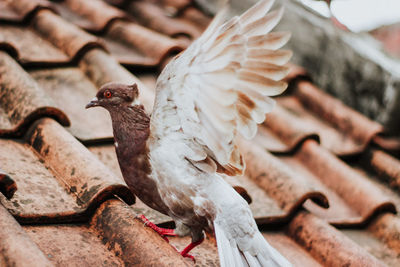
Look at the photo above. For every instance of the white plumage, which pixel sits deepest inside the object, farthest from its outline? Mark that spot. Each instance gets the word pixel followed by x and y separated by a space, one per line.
pixel 216 89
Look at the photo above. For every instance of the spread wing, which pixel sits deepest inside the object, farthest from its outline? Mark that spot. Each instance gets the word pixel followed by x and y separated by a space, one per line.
pixel 220 86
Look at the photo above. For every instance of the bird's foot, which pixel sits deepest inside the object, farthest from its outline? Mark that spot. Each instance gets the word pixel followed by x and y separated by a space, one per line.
pixel 185 251
pixel 163 232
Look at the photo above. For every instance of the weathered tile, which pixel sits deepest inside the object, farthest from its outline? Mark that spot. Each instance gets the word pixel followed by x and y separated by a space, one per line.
pixel 308 112
pixel 135 45
pixel 136 244
pixel 22 101
pixel 385 167
pixel 375 243
pixel 296 254
pixel 21 11
pixel 29 48
pixel 354 198
pixel 72 245
pixel 154 17
pixel 387 228
pixel 59 180
pixel 194 16
pixel 70 89
pixel 17 249
pixel 390 143
pixel 92 15
pixel 327 244
pixel 278 180
pixel 67 37
pixel 7 185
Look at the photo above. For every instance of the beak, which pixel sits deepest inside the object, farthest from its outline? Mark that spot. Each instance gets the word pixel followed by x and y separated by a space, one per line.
pixel 93 103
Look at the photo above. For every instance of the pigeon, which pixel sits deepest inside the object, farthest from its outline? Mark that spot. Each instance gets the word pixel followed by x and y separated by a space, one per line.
pixel 207 97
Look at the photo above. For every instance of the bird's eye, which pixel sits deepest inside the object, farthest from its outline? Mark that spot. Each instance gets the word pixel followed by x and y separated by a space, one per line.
pixel 107 94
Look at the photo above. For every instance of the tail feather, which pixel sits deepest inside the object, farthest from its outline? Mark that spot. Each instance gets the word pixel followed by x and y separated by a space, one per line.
pixel 225 251
pixel 260 254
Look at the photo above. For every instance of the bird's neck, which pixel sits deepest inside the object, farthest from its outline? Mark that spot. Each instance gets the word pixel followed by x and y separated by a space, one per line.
pixel 131 126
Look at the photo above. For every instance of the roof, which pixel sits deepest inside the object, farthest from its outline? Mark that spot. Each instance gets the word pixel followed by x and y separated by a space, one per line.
pixel 322 178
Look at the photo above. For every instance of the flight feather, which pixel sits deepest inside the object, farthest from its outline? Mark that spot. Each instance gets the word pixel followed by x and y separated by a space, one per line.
pixel 221 87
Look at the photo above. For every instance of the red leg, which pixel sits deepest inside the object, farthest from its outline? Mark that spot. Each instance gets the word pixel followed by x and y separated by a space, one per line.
pixel 185 251
pixel 163 232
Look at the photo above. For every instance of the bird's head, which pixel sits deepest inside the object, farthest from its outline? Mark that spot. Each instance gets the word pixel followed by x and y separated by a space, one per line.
pixel 114 95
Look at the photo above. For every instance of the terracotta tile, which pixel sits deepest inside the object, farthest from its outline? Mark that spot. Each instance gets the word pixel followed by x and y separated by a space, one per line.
pixel 135 45
pixel 327 244
pixel 195 17
pixel 7 185
pixel 72 245
pixel 295 74
pixel 386 167
pixel 70 89
pixel 59 180
pixel 310 113
pixel 278 180
pixel 283 131
pixel 112 237
pixel 154 17
pixel 84 175
pixel 59 91
pixel 362 197
pixel 388 143
pixel 347 120
pixel 387 228
pixel 39 194
pixel 21 11
pixel 177 4
pixel 92 15
pixel 22 100
pixel 48 41
pixel 65 36
pixel 29 48
pixel 17 249
pixel 296 254
pixel 7 13
pixel 137 244
pixel 376 245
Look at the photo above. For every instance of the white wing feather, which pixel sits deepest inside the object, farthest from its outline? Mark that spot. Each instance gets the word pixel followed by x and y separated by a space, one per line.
pixel 220 86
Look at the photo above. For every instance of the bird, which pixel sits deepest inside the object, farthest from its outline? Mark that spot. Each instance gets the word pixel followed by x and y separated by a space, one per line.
pixel 207 97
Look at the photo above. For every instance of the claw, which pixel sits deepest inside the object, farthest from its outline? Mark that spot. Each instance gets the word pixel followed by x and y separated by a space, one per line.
pixel 189 256
pixel 185 251
pixel 163 232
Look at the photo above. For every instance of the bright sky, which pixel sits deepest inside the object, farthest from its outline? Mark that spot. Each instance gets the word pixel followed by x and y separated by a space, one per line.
pixel 360 15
